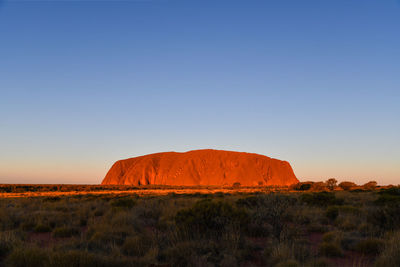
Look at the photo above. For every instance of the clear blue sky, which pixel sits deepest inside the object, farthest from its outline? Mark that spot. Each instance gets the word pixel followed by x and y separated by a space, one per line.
pixel 85 83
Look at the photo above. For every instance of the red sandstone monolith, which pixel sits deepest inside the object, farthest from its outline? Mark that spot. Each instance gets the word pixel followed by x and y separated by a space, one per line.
pixel 201 167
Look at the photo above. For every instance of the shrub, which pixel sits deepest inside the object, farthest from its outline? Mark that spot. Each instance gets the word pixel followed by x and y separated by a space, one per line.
pixel 390 196
pixel 279 253
pixel 5 248
pixel 104 237
pixel 370 246
pixel 123 203
pixel 387 199
pixel 64 232
pixel 386 218
pixel 394 191
pixel 272 209
pixel 329 237
pixel 41 228
pixel 303 186
pixel 329 249
pixel 301 250
pixel 136 246
pixel 347 185
pixel 27 256
pixel 321 199
pixel 148 213
pixel 100 240
pixel 317 227
pixel 82 259
pixel 180 254
pixel 350 209
pixel 229 261
pixel 347 223
pixel 390 256
pixel 320 262
pixel 370 185
pixel 249 202
pixel 28 225
pixel 51 199
pixel 348 242
pixel 210 217
pixel 332 212
pixel 98 213
pixel 288 263
pixel 318 186
pixel 257 229
pixel 83 221
pixel 331 183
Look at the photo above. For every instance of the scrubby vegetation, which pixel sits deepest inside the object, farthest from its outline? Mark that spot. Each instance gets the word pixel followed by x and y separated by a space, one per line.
pixel 297 228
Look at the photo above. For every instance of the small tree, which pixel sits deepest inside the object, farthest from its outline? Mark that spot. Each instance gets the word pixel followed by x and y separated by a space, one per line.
pixel 318 186
pixel 347 185
pixel 331 183
pixel 371 185
pixel 302 186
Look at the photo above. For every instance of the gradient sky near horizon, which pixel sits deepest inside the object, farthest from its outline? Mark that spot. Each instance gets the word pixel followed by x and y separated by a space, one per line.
pixel 85 83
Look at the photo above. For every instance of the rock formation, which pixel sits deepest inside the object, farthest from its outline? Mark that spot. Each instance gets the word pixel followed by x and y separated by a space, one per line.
pixel 201 167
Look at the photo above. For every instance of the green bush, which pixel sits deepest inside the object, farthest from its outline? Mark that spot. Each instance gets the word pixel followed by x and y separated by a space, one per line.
pixel 390 256
pixel 350 209
pixel 123 203
pixel 349 241
pixel 240 229
pixel 136 246
pixel 302 250
pixel 270 209
pixel 317 227
pixel 318 186
pixel 370 185
pixel 5 248
pixel 28 225
pixel 42 228
pixel 82 259
pixel 98 213
pixel 393 191
pixel 303 186
pixel 249 202
pixel 330 237
pixel 347 185
pixel 100 241
pixel 181 254
pixel 387 218
pixel 64 232
pixel 369 246
pixel 332 212
pixel 320 262
pixel 104 237
pixel 280 252
pixel 387 199
pixel 27 256
pixel 329 249
pixel 321 199
pixel 331 183
pixel 208 217
pixel 288 263
pixel 83 221
pixel 51 199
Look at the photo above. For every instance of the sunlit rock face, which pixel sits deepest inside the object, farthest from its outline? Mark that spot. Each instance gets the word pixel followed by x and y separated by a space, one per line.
pixel 201 167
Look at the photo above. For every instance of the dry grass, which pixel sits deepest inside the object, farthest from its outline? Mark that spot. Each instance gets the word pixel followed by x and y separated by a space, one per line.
pixel 199 227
